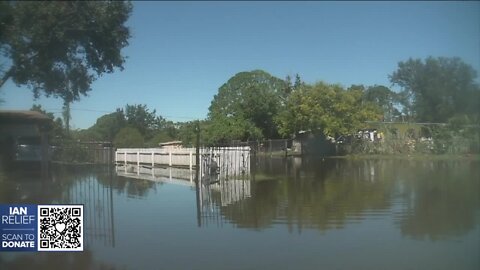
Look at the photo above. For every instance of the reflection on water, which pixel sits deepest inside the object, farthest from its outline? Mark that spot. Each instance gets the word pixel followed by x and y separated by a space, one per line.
pixel 91 187
pixel 429 210
pixel 95 193
pixel 212 198
pixel 427 198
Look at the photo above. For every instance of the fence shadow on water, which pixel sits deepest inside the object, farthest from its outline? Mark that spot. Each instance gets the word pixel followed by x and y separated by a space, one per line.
pixel 224 173
pixel 94 191
pixel 77 152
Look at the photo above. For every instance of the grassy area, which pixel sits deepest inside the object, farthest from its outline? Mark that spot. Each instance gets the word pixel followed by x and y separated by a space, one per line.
pixel 475 157
pixel 263 177
pixel 275 154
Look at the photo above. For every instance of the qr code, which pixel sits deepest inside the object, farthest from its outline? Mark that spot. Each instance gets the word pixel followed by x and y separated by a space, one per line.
pixel 60 228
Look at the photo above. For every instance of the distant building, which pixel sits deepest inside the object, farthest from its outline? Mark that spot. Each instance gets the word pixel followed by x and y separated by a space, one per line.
pixel 171 145
pixel 306 142
pixel 24 136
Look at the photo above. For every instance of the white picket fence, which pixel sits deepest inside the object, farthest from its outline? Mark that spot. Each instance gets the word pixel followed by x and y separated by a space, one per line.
pixel 156 156
pixel 230 160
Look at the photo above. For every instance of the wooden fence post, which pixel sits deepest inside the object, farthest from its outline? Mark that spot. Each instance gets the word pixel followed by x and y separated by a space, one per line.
pixel 197 154
pixel 191 160
pixel 138 162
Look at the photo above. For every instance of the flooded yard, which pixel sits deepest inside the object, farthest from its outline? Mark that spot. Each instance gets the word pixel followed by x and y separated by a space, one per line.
pixel 288 214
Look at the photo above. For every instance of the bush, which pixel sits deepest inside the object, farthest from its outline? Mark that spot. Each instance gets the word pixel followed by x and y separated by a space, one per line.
pixel 72 152
pixel 445 139
pixel 128 137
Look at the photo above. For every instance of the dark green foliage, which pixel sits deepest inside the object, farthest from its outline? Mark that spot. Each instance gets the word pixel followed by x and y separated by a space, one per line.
pixel 104 129
pixel 72 152
pixel 246 104
pixel 57 131
pixel 38 108
pixel 144 120
pixel 222 130
pixel 108 125
pixel 460 136
pixel 289 87
pixel 87 135
pixel 152 128
pixel 255 105
pixel 384 98
pixel 325 109
pixel 162 135
pixel 437 89
pixel 187 133
pixel 60 48
pixel 128 137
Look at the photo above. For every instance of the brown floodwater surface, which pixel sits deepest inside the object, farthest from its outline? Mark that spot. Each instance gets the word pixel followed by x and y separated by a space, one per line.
pixel 290 214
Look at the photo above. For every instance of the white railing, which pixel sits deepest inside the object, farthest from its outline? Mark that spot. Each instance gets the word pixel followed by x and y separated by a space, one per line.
pixel 229 160
pixel 156 156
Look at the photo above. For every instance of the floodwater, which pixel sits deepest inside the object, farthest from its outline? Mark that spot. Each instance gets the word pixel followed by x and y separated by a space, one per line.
pixel 289 214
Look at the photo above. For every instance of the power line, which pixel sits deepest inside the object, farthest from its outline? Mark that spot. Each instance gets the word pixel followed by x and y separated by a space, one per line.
pixel 102 111
pixel 78 109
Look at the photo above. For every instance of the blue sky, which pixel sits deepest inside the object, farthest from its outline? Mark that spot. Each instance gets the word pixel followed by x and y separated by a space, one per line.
pixel 180 53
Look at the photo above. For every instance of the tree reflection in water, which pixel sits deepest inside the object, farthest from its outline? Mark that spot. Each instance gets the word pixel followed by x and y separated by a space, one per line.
pixel 52 260
pixel 427 198
pixel 442 199
pixel 87 185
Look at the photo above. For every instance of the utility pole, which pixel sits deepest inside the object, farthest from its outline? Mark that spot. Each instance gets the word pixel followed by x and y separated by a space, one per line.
pixel 197 151
pixel 66 116
pixel 197 169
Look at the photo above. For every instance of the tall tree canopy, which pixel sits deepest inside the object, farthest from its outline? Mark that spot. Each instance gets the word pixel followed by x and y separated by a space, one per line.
pixel 57 131
pixel 132 120
pixel 384 98
pixel 60 48
pixel 326 109
pixel 144 120
pixel 437 89
pixel 248 99
pixel 108 125
pixel 128 137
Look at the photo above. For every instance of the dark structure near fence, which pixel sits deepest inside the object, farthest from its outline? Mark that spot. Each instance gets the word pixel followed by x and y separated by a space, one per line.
pixel 307 143
pixel 304 143
pixel 24 137
pixel 98 202
pixel 269 147
pixel 93 152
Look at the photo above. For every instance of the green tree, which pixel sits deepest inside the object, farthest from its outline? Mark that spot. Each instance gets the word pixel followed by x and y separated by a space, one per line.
pixel 290 87
pixel 223 129
pixel 187 133
pixel 108 125
pixel 384 98
pixel 57 130
pixel 166 132
pixel 128 137
pixel 437 89
pixel 153 128
pixel 327 109
pixel 144 120
pixel 60 48
pixel 251 99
